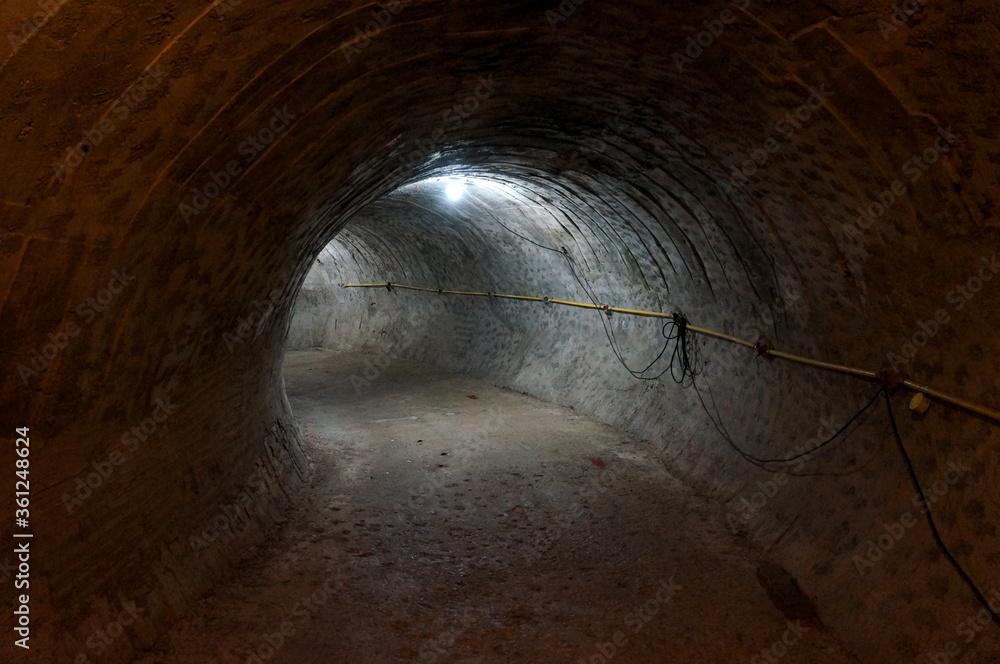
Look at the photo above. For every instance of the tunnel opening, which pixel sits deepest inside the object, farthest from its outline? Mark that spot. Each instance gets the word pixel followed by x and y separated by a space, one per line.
pixel 819 178
pixel 450 237
pixel 502 236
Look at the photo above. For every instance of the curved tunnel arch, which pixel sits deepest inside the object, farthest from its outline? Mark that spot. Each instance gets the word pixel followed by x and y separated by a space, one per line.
pixel 655 217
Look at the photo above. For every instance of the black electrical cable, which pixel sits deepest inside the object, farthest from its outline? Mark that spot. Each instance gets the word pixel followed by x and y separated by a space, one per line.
pixel 685 357
pixel 930 519
pixel 588 289
pixel 609 332
pixel 684 366
pixel 681 361
pixel 757 461
pixel 685 362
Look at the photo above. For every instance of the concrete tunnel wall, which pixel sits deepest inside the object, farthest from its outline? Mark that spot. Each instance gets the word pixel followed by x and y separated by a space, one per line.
pixel 126 143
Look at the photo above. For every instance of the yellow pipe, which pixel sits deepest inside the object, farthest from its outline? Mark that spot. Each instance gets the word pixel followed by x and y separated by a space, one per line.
pixel 720 335
pixel 530 298
pixel 955 401
pixel 416 288
pixel 581 305
pixel 851 371
pixel 860 373
pixel 640 312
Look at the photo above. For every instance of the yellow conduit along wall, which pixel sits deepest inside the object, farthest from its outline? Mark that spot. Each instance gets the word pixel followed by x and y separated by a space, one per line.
pixel 757 347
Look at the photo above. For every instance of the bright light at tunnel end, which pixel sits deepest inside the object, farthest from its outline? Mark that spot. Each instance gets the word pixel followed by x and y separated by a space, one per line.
pixel 454 190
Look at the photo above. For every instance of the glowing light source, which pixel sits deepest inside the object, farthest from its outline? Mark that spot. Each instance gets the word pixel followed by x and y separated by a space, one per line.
pixel 454 190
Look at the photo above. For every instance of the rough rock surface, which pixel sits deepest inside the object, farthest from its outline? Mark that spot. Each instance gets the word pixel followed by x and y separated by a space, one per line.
pixel 214 151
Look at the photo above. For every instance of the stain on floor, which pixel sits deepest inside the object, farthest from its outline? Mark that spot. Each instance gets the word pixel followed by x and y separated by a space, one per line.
pixel 439 528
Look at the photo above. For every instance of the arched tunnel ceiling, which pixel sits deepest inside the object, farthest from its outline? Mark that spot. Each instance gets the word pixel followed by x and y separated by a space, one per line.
pixel 213 151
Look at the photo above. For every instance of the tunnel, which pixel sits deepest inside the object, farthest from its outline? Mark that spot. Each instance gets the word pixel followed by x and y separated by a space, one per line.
pixel 753 244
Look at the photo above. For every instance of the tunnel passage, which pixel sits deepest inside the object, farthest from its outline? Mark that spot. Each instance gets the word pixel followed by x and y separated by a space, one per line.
pixel 801 171
pixel 510 235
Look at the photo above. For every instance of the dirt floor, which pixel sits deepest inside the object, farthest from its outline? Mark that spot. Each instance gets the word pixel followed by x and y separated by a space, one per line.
pixel 451 521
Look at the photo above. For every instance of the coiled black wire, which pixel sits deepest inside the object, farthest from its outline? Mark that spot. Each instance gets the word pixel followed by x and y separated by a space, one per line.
pixel 685 366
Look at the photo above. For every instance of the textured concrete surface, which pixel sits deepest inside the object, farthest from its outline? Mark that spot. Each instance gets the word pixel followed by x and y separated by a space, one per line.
pixel 824 517
pixel 439 528
pixel 172 171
